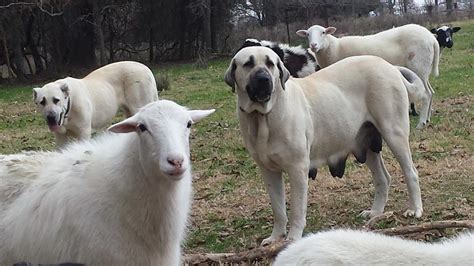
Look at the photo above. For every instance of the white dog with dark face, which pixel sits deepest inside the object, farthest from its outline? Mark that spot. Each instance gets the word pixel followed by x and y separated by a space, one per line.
pixel 296 125
pixel 76 107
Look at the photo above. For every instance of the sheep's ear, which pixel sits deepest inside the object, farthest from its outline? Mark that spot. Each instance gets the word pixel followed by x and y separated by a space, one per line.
pixel 330 30
pixel 302 33
pixel 198 115
pixel 35 93
pixel 126 126
pixel 65 89
pixel 455 29
pixel 284 73
pixel 434 31
pixel 229 76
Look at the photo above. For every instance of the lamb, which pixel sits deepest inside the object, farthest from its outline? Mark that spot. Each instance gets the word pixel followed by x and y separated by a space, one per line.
pixel 121 199
pixel 352 247
pixel 444 35
pixel 299 61
pixel 411 46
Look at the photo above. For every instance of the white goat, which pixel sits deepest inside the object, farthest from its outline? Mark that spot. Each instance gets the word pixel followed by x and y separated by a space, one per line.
pixel 411 46
pixel 350 247
pixel 122 199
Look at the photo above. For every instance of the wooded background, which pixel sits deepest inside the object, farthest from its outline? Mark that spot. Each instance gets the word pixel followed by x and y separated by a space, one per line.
pixel 47 37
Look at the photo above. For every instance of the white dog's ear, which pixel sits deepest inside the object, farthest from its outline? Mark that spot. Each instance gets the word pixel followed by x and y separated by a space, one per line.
pixel 284 73
pixel 35 93
pixel 302 33
pixel 65 89
pixel 229 76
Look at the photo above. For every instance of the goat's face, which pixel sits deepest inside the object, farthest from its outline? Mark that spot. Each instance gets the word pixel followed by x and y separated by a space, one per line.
pixel 163 128
pixel 316 36
pixel 256 73
pixel 52 100
pixel 444 35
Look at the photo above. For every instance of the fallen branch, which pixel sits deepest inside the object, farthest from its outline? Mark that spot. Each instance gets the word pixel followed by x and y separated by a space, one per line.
pixel 256 254
pixel 410 229
pixel 369 225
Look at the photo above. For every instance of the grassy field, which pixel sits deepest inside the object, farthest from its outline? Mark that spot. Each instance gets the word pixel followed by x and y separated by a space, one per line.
pixel 231 210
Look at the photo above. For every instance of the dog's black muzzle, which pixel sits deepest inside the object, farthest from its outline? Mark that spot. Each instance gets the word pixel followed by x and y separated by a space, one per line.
pixel 260 86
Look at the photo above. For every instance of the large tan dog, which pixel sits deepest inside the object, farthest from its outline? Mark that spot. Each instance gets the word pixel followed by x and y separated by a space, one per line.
pixel 76 107
pixel 297 125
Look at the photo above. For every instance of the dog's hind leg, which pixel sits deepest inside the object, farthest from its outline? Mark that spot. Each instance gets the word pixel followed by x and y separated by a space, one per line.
pixel 275 188
pixel 398 143
pixel 299 201
pixel 381 179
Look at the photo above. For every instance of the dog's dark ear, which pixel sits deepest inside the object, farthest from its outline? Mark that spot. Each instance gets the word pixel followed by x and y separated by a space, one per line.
pixel 35 93
pixel 455 29
pixel 434 31
pixel 229 76
pixel 65 89
pixel 284 73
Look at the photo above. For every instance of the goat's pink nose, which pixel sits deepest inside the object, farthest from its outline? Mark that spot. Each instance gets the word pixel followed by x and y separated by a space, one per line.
pixel 313 45
pixel 176 161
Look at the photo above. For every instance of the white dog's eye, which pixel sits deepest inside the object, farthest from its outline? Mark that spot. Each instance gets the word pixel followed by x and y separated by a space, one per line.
pixel 55 100
pixel 43 102
pixel 189 124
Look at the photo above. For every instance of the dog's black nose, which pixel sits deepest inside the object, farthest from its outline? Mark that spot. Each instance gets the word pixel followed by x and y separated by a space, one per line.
pixel 260 87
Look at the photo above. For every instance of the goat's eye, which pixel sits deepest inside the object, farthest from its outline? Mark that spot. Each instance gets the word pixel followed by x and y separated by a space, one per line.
pixel 142 127
pixel 43 102
pixel 189 124
pixel 55 100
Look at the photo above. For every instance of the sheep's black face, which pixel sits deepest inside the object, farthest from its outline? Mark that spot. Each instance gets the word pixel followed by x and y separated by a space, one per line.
pixel 260 86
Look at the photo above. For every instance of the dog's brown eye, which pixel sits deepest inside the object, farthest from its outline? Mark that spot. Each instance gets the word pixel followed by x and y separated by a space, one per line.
pixel 43 102
pixel 55 101
pixel 270 64
pixel 189 124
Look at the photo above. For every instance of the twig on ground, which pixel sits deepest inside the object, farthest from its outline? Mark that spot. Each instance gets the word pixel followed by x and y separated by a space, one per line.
pixel 410 229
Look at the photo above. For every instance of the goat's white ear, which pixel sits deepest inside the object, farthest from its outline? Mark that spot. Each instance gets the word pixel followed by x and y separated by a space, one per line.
pixel 330 30
pixel 455 29
pixel 126 126
pixel 198 115
pixel 35 93
pixel 302 33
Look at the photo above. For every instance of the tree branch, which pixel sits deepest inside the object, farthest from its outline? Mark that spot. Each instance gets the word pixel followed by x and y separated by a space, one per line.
pixel 410 229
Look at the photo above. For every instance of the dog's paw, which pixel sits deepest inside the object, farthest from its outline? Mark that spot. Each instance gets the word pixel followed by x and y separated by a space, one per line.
pixel 413 213
pixel 421 125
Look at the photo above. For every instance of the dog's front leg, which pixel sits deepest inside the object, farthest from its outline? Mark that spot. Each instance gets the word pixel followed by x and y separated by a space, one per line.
pixel 275 188
pixel 298 178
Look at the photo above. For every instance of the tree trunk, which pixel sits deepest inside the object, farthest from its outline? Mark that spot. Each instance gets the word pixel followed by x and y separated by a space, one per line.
pixel 99 34
pixel 5 50
pixel 151 46
pixel 32 45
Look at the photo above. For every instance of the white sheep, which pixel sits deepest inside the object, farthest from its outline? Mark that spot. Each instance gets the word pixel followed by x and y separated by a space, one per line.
pixel 121 199
pixel 411 46
pixel 351 247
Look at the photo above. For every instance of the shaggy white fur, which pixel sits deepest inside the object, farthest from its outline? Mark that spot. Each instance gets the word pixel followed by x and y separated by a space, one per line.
pixel 350 247
pixel 121 199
